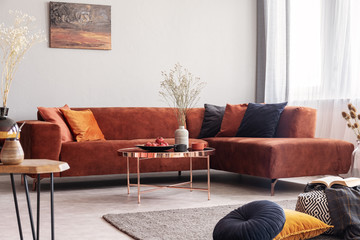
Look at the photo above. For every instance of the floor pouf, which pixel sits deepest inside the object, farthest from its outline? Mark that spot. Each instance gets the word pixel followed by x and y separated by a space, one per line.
pixel 260 220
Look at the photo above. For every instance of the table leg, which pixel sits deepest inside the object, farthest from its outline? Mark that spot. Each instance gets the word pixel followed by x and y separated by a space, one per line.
pixel 16 205
pixel 191 175
pixel 29 206
pixel 208 176
pixel 38 208
pixel 138 178
pixel 52 205
pixel 127 174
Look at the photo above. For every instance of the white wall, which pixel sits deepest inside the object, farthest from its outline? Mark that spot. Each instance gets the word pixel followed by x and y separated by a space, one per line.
pixel 214 39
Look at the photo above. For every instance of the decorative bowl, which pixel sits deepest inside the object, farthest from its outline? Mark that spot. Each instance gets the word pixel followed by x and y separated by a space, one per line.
pixel 155 148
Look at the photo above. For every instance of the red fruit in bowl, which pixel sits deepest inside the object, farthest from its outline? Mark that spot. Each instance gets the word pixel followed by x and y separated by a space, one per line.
pixel 155 144
pixel 159 140
pixel 148 144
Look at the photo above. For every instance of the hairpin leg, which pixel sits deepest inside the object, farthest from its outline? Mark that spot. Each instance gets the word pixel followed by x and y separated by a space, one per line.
pixel 16 205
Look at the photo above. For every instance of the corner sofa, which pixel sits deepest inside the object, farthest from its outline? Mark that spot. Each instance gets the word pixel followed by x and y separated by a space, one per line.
pixel 294 152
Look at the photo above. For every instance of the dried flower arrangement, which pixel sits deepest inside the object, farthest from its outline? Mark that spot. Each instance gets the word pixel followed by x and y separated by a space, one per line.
pixel 15 41
pixel 352 119
pixel 180 89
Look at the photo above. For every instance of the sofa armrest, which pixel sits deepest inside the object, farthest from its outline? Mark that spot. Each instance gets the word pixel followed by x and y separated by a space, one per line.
pixel 40 140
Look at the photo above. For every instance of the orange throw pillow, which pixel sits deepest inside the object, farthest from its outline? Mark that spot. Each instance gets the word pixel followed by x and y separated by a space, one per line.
pixel 54 115
pixel 233 116
pixel 83 125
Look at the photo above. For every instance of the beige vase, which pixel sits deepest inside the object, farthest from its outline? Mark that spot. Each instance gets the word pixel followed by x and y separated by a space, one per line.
pixel 12 152
pixel 182 136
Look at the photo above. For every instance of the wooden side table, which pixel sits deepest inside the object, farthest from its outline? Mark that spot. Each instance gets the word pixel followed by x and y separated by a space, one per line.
pixel 140 155
pixel 34 166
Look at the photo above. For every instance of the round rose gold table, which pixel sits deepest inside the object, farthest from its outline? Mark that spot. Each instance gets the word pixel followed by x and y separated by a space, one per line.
pixel 140 155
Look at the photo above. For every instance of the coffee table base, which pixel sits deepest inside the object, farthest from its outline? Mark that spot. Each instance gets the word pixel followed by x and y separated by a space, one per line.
pixel 157 187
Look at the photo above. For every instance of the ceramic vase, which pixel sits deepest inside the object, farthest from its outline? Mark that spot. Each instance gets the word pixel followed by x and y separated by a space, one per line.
pixel 182 136
pixel 8 127
pixel 12 152
pixel 355 161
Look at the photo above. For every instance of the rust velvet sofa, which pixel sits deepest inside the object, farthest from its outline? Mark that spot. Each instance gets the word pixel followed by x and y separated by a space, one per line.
pixel 294 152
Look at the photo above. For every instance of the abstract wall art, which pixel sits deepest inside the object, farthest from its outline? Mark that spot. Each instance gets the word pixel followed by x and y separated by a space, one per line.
pixel 84 26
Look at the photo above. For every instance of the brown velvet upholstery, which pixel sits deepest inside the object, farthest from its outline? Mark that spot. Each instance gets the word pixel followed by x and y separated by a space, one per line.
pixel 293 153
pixel 133 123
pixel 41 139
pixel 101 157
pixel 281 157
pixel 194 121
pixel 297 122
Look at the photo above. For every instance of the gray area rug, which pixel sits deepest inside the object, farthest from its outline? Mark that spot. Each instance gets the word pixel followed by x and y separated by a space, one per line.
pixel 190 224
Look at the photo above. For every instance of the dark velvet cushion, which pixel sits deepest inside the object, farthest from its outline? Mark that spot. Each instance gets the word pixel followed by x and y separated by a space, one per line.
pixel 260 120
pixel 212 120
pixel 258 220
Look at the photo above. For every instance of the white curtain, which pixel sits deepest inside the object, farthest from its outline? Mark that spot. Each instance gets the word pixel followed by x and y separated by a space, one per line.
pixel 276 50
pixel 319 63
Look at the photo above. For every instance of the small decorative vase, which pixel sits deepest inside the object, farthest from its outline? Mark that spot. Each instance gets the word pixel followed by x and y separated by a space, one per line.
pixel 8 127
pixel 12 152
pixel 182 136
pixel 355 161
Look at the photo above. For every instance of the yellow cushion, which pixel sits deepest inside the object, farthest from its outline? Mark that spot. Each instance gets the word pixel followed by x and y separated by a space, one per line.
pixel 83 125
pixel 299 225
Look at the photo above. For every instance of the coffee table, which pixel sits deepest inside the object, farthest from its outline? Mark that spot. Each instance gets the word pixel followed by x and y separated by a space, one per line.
pixel 142 155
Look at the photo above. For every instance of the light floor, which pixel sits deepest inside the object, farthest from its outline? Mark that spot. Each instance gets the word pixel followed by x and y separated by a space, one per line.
pixel 81 202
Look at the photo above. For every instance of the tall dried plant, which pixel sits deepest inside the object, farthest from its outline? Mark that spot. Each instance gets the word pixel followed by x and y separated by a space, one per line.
pixel 15 41
pixel 353 120
pixel 180 90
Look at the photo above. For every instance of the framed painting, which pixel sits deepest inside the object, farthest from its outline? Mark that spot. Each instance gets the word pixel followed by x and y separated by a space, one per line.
pixel 84 26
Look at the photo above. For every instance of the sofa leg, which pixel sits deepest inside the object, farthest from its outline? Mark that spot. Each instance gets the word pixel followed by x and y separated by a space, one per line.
pixel 179 173
pixel 273 182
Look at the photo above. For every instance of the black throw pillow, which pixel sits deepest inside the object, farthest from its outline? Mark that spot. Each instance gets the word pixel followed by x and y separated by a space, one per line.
pixel 260 120
pixel 212 120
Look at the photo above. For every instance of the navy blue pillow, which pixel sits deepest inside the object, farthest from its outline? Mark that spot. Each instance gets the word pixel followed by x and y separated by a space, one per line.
pixel 212 120
pixel 260 120
pixel 258 220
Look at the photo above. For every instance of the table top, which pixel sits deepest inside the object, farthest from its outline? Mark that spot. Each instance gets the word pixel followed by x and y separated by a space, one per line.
pixel 35 166
pixel 139 153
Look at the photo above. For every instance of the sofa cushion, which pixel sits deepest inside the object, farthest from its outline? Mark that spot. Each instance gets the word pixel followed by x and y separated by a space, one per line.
pixel 260 120
pixel 232 119
pixel 194 119
pixel 83 125
pixel 101 157
pixel 212 120
pixel 297 122
pixel 135 122
pixel 281 157
pixel 54 115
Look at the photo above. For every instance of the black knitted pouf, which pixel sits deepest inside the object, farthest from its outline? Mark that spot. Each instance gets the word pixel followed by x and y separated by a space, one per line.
pixel 258 220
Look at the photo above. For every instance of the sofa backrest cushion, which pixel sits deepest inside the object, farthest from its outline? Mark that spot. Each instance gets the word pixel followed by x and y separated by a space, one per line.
pixel 297 122
pixel 135 122
pixel 194 121
pixel 54 115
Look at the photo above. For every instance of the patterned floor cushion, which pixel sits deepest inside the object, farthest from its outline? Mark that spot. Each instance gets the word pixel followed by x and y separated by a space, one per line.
pixel 315 204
